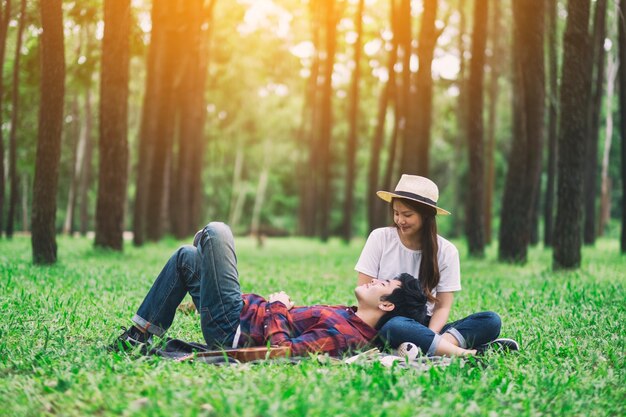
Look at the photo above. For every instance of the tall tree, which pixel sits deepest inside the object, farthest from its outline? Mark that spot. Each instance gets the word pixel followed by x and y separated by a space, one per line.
pixel 374 204
pixel 475 132
pixel 403 132
pixel 74 133
pixel 49 133
pixel 572 136
pixel 415 155
pixel 597 61
pixel 553 100
pixel 113 145
pixel 86 164
pixel 497 52
pixel 307 177
pixel 5 16
pixel 198 115
pixel 459 183
pixel 605 199
pixel 353 119
pixel 326 118
pixel 147 126
pixel 13 177
pixel 168 67
pixel 622 111
pixel 191 112
pixel 524 167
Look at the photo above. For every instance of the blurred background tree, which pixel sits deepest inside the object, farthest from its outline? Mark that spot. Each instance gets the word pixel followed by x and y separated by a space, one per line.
pixel 284 117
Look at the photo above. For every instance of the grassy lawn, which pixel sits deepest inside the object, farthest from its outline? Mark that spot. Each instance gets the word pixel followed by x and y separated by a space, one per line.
pixel 54 323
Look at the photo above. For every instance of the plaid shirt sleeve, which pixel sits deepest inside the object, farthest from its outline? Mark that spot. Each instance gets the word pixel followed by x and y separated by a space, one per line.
pixel 330 334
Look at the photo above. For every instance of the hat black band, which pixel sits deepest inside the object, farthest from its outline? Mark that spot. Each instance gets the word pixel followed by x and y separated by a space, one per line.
pixel 416 197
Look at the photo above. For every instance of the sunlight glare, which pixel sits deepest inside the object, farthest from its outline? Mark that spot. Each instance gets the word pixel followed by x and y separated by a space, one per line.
pixel 381 74
pixel 265 14
pixel 446 66
pixel 303 50
pixel 372 47
pixel 351 37
pixel 100 30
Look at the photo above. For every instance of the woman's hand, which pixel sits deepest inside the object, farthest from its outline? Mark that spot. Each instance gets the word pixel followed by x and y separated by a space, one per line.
pixel 363 279
pixel 441 312
pixel 283 298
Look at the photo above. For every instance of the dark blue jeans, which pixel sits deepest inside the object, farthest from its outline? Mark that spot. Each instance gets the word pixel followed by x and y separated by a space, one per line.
pixel 474 330
pixel 208 272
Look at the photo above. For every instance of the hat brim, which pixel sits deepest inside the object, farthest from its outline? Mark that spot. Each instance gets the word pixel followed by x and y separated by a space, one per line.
pixel 388 196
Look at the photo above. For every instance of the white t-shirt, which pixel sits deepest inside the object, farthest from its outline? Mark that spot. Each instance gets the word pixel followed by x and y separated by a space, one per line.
pixel 385 257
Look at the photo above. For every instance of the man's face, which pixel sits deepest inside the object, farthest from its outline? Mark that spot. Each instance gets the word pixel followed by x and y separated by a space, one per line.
pixel 369 295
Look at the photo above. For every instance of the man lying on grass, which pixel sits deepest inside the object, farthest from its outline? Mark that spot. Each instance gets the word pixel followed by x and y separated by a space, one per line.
pixel 208 272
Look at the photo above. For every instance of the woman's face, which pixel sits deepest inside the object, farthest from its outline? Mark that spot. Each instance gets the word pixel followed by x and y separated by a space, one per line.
pixel 409 221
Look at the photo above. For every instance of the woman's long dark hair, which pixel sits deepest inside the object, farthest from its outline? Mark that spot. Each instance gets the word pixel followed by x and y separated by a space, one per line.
pixel 429 267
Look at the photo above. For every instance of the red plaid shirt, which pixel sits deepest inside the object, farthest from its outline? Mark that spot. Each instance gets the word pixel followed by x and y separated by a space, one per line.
pixel 319 328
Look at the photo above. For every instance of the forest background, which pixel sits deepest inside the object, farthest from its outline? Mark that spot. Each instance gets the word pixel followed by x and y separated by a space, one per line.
pixel 284 118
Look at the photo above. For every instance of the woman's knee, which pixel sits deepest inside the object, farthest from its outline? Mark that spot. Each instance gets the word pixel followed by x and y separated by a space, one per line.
pixel 492 321
pixel 402 329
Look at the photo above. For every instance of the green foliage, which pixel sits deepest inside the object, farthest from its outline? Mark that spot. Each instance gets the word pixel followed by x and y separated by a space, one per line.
pixel 57 320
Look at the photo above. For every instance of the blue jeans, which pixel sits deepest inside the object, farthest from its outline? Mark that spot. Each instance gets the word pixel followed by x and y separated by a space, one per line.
pixel 208 272
pixel 474 330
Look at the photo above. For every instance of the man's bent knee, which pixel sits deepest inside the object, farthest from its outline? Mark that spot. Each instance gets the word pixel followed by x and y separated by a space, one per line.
pixel 215 230
pixel 218 230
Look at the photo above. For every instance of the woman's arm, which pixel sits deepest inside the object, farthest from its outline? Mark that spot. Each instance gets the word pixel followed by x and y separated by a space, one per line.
pixel 364 279
pixel 441 313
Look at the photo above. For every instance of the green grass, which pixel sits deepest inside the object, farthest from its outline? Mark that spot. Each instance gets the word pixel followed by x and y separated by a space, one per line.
pixel 55 321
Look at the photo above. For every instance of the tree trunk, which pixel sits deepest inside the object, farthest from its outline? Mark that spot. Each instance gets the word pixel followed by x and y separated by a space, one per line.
pixel 622 111
pixel 375 205
pixel 553 100
pixel 237 197
pixel 593 130
pixel 496 56
pixel 353 121
pixel 572 135
pixel 147 128
pixel 191 120
pixel 416 148
pixel 168 70
pixel 534 216
pixel 113 145
pixel 458 172
pixel 605 201
pixel 524 167
pixel 308 175
pixel 259 198
pixel 75 135
pixel 5 17
pixel 199 121
pixel 13 178
pixel 25 194
pixel 86 165
pixel 475 205
pixel 406 125
pixel 326 120
pixel 49 133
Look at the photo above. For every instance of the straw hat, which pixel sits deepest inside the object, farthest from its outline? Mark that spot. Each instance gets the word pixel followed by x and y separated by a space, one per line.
pixel 416 188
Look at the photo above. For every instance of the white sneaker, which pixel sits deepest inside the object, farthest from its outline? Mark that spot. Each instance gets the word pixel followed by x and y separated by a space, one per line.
pixel 409 350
